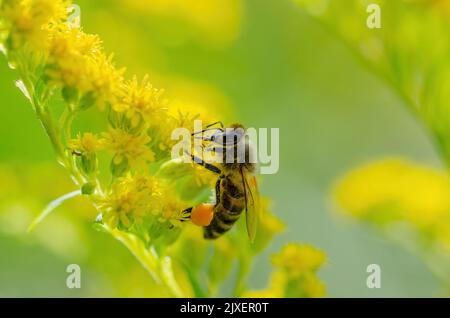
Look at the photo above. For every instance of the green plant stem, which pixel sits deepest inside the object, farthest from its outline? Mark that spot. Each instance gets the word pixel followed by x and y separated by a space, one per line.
pixel 159 268
pixel 437 262
pixel 51 207
pixel 66 123
pixel 53 132
pixel 245 264
pixel 45 117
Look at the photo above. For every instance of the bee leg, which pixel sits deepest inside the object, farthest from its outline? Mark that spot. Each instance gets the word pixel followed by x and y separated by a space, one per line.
pixel 206 130
pixel 208 166
pixel 186 214
pixel 218 192
pixel 217 122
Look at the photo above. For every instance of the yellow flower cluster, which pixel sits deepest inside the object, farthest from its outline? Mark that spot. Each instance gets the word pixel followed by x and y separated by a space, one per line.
pixel 141 101
pixel 395 190
pixel 295 274
pixel 86 147
pixel 128 148
pixel 406 191
pixel 76 63
pixel 296 259
pixel 140 123
pixel 30 21
pixel 133 198
pixel 87 143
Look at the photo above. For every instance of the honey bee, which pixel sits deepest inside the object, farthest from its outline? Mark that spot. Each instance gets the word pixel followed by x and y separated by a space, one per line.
pixel 236 189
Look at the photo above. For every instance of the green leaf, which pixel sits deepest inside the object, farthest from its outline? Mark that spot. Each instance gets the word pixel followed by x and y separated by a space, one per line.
pixel 51 207
pixel 69 94
pixel 87 101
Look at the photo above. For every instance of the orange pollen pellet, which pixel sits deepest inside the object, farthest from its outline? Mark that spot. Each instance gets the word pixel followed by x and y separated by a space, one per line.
pixel 202 214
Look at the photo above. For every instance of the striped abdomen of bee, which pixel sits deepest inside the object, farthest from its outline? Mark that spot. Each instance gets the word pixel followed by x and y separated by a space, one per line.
pixel 230 202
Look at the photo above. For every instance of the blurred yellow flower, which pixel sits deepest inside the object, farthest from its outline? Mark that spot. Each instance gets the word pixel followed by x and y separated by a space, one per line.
pixel 30 20
pixel 295 259
pixel 312 286
pixel 76 61
pixel 216 22
pixel 69 53
pixel 277 282
pixel 395 189
pixel 295 275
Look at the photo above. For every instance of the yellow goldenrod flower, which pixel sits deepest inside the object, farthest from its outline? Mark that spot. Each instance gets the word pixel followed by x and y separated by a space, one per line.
pixel 137 196
pixel 30 20
pixel 70 55
pixel 128 148
pixel 86 147
pixel 104 79
pixel 87 143
pixel 76 61
pixel 141 101
pixel 66 43
pixel 130 199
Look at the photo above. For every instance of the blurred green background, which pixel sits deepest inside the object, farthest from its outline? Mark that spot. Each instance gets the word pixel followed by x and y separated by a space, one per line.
pixel 266 64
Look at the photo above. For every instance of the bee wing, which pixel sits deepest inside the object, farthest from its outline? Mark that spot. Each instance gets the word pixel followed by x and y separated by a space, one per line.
pixel 252 203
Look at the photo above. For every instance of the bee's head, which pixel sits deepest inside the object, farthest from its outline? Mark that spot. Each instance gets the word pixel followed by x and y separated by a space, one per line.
pixel 228 136
pixel 234 146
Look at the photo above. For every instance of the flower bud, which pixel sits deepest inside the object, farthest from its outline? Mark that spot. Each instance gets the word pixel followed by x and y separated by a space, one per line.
pixel 114 118
pixel 87 101
pixel 88 163
pixel 119 165
pixel 135 124
pixel 88 188
pixel 69 94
